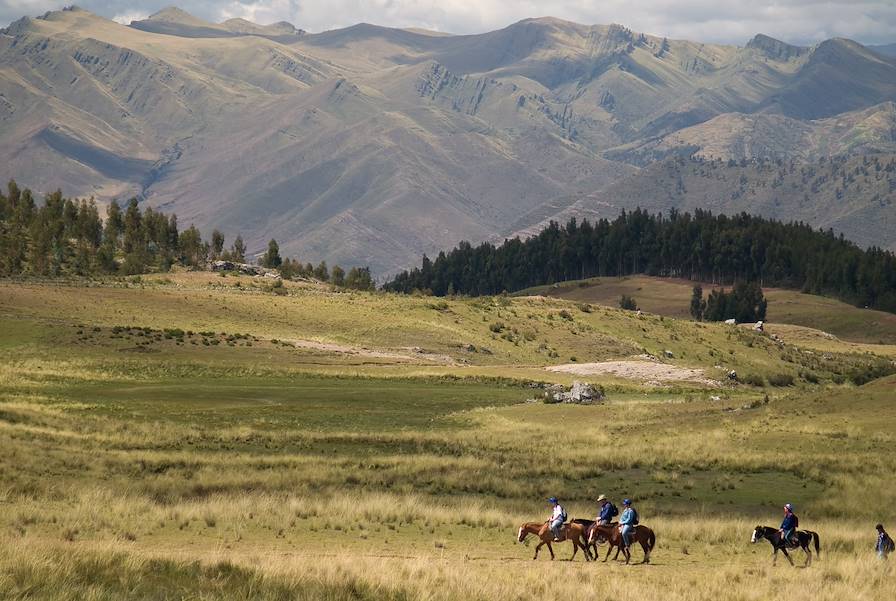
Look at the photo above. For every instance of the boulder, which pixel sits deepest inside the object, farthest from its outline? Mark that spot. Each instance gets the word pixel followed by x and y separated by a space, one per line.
pixel 581 393
pixel 223 266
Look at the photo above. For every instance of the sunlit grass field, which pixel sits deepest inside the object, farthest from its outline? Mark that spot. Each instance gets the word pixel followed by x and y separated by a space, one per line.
pixel 165 438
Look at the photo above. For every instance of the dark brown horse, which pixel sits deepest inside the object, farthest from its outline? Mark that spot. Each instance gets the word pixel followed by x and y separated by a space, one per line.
pixel 641 534
pixel 773 535
pixel 572 532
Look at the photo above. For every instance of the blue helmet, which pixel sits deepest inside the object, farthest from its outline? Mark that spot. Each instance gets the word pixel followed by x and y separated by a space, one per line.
pixel 553 500
pixel 627 502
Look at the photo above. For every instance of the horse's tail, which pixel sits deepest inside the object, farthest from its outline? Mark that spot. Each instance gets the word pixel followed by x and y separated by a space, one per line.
pixel 651 539
pixel 817 543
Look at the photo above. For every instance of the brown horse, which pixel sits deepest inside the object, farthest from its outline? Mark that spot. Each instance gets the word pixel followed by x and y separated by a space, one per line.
pixel 641 534
pixel 575 533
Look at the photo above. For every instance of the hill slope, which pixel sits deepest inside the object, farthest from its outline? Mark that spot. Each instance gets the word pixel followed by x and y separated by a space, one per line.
pixel 374 145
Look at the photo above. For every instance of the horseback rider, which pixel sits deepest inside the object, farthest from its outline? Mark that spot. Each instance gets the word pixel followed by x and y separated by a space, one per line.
pixel 607 511
pixel 627 522
pixel 558 516
pixel 789 526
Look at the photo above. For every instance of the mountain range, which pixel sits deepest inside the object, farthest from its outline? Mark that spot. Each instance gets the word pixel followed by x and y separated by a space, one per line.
pixel 371 146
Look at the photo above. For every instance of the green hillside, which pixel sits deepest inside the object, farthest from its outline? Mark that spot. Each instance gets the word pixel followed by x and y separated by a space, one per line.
pixel 672 297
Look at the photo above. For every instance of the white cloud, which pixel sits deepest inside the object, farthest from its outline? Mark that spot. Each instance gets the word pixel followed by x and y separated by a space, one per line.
pixel 126 18
pixel 731 21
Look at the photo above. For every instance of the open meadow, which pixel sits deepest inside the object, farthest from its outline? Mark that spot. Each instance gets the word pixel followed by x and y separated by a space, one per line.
pixel 193 436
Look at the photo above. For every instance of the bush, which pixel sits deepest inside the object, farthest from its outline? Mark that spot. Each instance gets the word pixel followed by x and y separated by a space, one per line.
pixel 628 303
pixel 564 314
pixel 497 327
pixel 780 380
pixel 810 377
pixel 754 380
pixel 863 374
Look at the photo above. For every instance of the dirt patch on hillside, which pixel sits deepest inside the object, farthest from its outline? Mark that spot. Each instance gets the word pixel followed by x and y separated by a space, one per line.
pixel 329 347
pixel 647 372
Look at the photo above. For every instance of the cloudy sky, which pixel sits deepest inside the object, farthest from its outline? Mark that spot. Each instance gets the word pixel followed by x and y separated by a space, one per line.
pixel 728 21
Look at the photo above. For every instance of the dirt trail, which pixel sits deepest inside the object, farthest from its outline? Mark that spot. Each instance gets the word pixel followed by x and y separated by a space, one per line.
pixel 648 372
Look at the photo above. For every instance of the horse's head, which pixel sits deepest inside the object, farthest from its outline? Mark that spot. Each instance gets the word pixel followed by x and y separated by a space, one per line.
pixel 522 534
pixel 758 534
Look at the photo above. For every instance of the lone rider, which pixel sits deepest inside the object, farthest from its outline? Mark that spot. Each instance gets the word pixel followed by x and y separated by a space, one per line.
pixel 607 511
pixel 627 522
pixel 885 544
pixel 789 525
pixel 558 516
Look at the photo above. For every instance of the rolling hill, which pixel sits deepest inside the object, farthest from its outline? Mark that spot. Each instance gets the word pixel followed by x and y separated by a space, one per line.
pixel 371 145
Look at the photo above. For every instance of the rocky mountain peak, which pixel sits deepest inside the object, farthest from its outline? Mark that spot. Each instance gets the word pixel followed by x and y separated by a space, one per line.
pixel 775 49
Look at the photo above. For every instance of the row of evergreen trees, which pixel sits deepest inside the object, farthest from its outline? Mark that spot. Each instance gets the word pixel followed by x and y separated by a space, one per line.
pixel 67 236
pixel 703 247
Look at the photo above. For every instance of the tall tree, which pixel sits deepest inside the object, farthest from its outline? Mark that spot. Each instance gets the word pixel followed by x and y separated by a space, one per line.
pixel 217 244
pixel 698 305
pixel 238 251
pixel 271 257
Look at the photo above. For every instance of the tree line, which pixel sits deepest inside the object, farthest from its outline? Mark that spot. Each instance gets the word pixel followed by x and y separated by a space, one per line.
pixel 701 246
pixel 61 236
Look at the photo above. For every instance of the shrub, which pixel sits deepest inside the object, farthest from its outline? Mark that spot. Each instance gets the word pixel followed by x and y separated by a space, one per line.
pixel 780 380
pixel 628 303
pixel 754 380
pixel 496 327
pixel 564 314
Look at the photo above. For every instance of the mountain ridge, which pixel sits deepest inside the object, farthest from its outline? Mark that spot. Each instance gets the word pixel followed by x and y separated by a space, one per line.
pixel 374 145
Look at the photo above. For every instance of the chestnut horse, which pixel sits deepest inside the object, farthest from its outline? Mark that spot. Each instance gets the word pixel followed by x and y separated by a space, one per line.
pixel 575 533
pixel 641 534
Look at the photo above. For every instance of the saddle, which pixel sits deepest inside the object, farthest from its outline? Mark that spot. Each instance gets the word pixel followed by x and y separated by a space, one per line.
pixel 794 542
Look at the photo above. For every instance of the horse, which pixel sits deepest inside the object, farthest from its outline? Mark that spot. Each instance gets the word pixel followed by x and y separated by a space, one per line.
pixel 640 534
pixel 573 532
pixel 773 535
pixel 588 525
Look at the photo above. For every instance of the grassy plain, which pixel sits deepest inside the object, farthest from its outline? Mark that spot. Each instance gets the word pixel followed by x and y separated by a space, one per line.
pixel 182 437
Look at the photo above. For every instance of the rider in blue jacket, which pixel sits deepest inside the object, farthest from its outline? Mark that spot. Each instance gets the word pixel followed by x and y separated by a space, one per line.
pixel 627 522
pixel 789 524
pixel 607 511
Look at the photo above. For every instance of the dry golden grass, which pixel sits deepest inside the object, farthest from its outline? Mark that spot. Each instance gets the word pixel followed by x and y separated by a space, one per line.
pixel 255 472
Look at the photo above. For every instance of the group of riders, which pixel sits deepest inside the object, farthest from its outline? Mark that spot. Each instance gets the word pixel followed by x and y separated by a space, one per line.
pixel 604 529
pixel 627 521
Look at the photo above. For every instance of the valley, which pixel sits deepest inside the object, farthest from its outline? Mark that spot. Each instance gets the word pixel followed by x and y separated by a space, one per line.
pixel 170 434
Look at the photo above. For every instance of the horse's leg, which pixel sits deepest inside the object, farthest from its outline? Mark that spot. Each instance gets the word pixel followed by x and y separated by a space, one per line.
pixel 551 549
pixel 808 556
pixel 787 555
pixel 537 548
pixel 646 552
pixel 575 549
pixel 775 556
